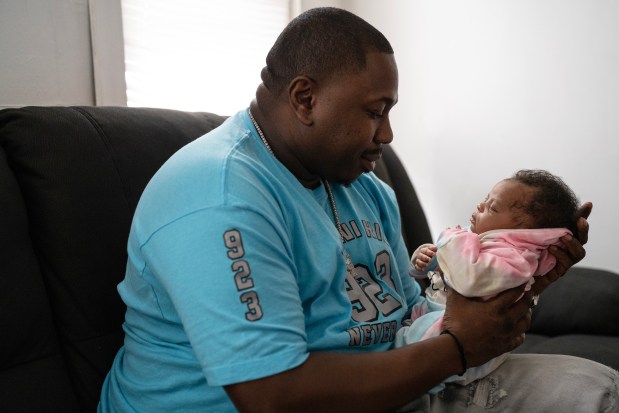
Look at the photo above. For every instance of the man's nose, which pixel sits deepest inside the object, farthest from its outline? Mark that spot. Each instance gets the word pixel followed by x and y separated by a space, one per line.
pixel 384 134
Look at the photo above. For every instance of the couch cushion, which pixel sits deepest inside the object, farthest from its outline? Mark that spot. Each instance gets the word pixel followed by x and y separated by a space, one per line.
pixel 602 349
pixel 33 375
pixel 81 171
pixel 40 385
pixel 584 301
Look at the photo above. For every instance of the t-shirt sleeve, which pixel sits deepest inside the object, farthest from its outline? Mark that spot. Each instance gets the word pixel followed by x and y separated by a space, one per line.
pixel 228 275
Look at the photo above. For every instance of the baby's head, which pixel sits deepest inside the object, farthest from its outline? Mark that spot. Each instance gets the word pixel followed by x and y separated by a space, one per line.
pixel 529 199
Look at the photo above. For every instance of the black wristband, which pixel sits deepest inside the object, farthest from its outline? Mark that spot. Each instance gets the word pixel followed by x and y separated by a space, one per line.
pixel 460 349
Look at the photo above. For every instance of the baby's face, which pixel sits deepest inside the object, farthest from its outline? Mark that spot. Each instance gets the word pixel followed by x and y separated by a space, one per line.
pixel 497 210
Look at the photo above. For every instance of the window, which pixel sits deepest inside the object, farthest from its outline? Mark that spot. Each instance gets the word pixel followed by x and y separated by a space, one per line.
pixel 198 55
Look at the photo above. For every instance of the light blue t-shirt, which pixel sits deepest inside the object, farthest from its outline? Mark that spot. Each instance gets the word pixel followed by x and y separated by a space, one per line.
pixel 236 272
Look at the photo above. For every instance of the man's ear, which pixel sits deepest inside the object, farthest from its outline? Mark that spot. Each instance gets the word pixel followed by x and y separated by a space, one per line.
pixel 301 97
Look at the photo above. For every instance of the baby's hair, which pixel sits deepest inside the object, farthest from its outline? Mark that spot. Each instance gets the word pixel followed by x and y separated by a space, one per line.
pixel 553 204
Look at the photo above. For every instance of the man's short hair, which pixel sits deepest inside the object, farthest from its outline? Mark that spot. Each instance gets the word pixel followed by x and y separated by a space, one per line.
pixel 320 43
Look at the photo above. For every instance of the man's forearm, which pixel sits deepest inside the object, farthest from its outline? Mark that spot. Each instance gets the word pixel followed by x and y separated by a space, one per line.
pixel 359 382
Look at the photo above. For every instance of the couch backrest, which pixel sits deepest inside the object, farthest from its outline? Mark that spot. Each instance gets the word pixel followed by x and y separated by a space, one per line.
pixel 70 179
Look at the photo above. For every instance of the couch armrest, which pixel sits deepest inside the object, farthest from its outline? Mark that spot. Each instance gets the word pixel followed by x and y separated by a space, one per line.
pixel 583 301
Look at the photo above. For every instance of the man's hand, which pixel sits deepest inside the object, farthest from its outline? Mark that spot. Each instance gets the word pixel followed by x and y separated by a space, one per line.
pixel 488 328
pixel 568 255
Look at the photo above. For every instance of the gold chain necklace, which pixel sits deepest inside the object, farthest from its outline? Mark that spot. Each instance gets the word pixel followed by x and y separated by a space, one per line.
pixel 349 265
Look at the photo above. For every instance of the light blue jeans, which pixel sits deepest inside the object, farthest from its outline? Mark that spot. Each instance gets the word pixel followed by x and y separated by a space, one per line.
pixel 531 383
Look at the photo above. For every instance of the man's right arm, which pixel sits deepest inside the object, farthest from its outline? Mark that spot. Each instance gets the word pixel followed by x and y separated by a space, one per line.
pixel 375 382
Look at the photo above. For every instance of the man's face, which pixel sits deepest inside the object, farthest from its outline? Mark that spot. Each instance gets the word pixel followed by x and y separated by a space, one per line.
pixel 499 210
pixel 351 120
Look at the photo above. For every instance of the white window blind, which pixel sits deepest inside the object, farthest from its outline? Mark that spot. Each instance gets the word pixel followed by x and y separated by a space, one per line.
pixel 198 55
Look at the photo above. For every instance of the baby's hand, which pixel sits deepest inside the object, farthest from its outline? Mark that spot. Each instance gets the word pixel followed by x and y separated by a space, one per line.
pixel 425 253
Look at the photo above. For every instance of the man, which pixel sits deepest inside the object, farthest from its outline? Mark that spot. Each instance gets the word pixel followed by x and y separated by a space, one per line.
pixel 267 270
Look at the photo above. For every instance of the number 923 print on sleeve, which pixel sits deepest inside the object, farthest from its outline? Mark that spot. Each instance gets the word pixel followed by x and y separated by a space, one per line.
pixel 242 275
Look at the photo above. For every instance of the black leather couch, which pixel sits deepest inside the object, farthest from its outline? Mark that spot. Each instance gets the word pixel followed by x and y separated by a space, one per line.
pixel 70 179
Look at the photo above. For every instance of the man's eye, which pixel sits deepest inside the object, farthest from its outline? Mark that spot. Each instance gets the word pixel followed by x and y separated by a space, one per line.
pixel 375 115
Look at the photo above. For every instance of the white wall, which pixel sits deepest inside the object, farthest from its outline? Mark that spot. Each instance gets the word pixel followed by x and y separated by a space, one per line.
pixel 45 55
pixel 486 87
pixel 491 86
